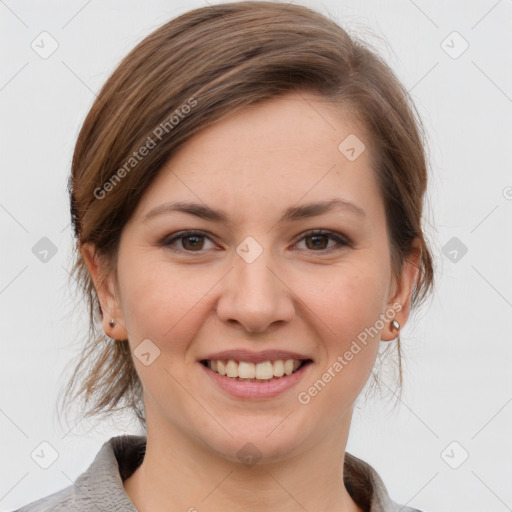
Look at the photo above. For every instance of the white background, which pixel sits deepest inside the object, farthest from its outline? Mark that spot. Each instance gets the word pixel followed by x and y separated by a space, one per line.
pixel 458 349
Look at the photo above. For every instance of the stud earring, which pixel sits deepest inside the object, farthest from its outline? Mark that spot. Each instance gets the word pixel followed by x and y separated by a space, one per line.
pixel 112 323
pixel 395 325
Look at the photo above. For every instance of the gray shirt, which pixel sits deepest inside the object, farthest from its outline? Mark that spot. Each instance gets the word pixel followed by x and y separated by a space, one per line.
pixel 100 487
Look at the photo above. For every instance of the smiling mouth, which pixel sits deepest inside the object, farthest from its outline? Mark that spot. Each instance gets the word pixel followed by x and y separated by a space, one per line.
pixel 265 371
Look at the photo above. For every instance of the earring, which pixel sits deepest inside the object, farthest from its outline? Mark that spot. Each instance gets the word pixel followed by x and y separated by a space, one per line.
pixel 112 323
pixel 395 325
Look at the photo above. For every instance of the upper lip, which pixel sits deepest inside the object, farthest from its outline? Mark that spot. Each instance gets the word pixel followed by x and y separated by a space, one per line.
pixel 254 357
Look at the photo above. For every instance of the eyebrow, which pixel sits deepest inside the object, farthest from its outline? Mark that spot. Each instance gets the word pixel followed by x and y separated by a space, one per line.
pixel 293 213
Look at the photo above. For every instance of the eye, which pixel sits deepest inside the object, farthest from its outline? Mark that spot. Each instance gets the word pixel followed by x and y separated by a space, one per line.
pixel 320 239
pixel 194 241
pixel 191 241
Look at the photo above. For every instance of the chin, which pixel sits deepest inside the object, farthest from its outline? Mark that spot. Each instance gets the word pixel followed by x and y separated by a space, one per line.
pixel 254 442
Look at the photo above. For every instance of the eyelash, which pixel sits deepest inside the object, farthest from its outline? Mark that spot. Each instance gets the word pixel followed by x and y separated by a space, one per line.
pixel 342 241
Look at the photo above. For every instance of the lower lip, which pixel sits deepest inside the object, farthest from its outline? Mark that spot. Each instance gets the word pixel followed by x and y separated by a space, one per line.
pixel 255 390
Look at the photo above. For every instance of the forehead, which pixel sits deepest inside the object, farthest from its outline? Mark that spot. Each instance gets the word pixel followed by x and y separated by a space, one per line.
pixel 278 151
pixel 293 124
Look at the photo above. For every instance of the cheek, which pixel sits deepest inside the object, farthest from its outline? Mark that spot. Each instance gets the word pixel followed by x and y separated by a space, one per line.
pixel 163 304
pixel 158 302
pixel 347 299
pixel 347 305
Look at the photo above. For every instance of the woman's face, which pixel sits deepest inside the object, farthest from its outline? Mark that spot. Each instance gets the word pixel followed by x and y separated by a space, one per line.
pixel 256 280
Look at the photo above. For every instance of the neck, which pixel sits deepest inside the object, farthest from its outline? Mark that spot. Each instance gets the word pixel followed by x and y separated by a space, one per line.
pixel 180 474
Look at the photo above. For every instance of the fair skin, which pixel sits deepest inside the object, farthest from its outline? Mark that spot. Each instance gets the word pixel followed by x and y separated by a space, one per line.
pixel 314 298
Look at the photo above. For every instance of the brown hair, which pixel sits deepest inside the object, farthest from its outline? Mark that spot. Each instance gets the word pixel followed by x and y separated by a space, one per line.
pixel 192 72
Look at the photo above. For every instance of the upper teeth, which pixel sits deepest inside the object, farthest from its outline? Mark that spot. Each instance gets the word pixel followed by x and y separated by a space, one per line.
pixel 245 370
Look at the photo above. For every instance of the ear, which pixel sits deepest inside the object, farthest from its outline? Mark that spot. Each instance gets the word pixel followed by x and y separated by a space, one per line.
pixel 106 289
pixel 403 286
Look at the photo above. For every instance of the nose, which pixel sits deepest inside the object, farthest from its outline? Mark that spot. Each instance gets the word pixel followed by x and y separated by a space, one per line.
pixel 255 295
